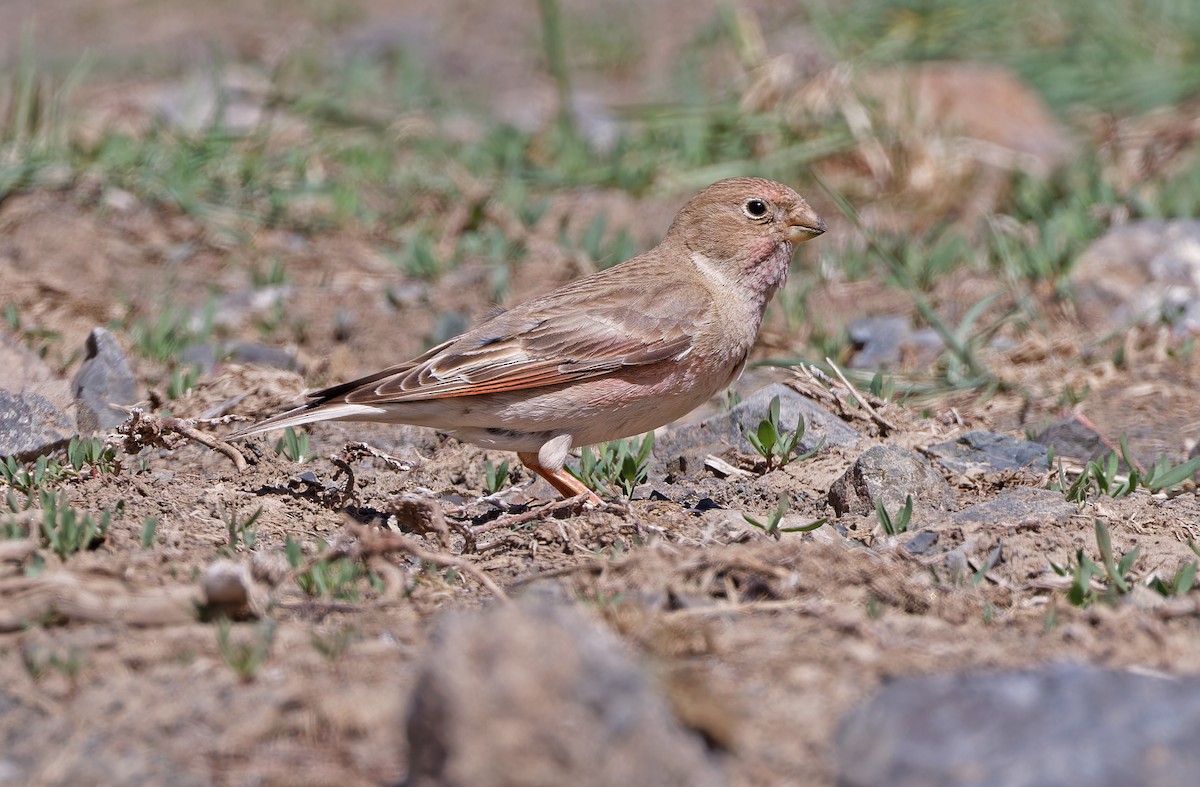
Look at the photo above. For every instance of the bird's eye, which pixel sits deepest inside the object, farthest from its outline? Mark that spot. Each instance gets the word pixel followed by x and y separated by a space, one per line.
pixel 755 208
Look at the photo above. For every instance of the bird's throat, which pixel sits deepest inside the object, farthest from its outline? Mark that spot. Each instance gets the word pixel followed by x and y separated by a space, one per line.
pixel 767 271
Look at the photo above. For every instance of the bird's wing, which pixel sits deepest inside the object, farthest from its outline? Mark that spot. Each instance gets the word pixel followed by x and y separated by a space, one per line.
pixel 574 335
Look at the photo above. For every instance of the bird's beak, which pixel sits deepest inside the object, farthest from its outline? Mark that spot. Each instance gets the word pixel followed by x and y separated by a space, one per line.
pixel 804 225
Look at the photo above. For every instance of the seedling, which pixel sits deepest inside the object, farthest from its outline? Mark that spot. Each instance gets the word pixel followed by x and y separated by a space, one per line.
pixel 182 381
pixel 495 478
pixel 65 530
pixel 240 530
pixel 333 643
pixel 272 276
pixel 898 524
pixel 294 446
pixel 1101 476
pixel 1163 476
pixel 775 444
pixel 30 478
pixel 149 532
pixel 1111 573
pixel 882 388
pixel 93 453
pixel 41 661
pixel 1180 584
pixel 245 656
pixel 771 526
pixel 619 464
pixel 333 577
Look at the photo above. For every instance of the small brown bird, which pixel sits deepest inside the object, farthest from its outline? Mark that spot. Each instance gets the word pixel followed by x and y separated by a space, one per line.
pixel 614 354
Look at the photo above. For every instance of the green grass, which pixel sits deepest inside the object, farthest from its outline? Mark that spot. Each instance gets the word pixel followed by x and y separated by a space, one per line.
pixel 897 523
pixel 245 654
pixel 618 466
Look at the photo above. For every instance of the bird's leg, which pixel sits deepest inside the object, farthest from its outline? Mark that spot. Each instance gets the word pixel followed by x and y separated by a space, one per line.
pixel 566 484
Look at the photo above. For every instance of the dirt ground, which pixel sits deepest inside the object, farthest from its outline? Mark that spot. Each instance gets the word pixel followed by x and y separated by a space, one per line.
pixel 774 641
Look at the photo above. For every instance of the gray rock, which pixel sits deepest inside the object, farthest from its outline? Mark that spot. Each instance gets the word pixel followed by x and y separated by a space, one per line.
pixel 233 101
pixel 890 473
pixel 1064 725
pixel 234 310
pixel 1144 270
pixel 884 341
pixel 728 429
pixel 877 340
pixel 103 380
pixel 1074 437
pixel 922 542
pixel 205 356
pixel 31 424
pixel 532 693
pixel 990 452
pixel 1022 505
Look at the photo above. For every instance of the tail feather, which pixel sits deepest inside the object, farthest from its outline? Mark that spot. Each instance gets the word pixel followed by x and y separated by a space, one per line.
pixel 307 414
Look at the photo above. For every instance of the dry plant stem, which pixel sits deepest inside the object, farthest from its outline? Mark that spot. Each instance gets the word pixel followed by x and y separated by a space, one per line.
pixel 884 423
pixel 353 451
pixel 815 384
pixel 377 542
pixel 549 509
pixel 144 429
pixel 590 564
pixel 370 542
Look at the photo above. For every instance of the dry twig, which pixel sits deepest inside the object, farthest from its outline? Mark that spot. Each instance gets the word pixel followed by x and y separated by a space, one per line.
pixel 144 430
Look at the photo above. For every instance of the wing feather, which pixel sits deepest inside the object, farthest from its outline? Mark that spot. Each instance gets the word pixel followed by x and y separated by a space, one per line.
pixel 545 342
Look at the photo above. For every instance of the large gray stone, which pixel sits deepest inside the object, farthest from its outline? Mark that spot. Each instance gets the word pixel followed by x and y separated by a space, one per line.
pixel 979 450
pixel 533 693
pixel 885 341
pixel 890 473
pixel 1056 727
pixel 1074 437
pixel 1145 271
pixel 31 424
pixel 103 380
pixel 725 430
pixel 1023 505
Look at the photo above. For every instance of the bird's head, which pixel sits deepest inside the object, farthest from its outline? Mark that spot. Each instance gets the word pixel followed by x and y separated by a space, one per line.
pixel 747 228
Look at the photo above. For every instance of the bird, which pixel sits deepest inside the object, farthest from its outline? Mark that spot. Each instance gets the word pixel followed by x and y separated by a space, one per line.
pixel 617 353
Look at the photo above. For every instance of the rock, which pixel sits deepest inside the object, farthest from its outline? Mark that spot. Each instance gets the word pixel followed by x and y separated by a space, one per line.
pixel 234 102
pixel 225 584
pixel 890 473
pixel 1075 437
pixel 978 450
pixel 717 434
pixel 532 693
pixel 205 356
pixel 31 424
pixel 1018 506
pixel 103 380
pixel 884 342
pixel 1146 271
pixel 234 310
pixel 922 542
pixel 1063 725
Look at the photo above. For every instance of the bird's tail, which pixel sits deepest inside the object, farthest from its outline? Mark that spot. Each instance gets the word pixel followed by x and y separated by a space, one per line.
pixel 307 414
